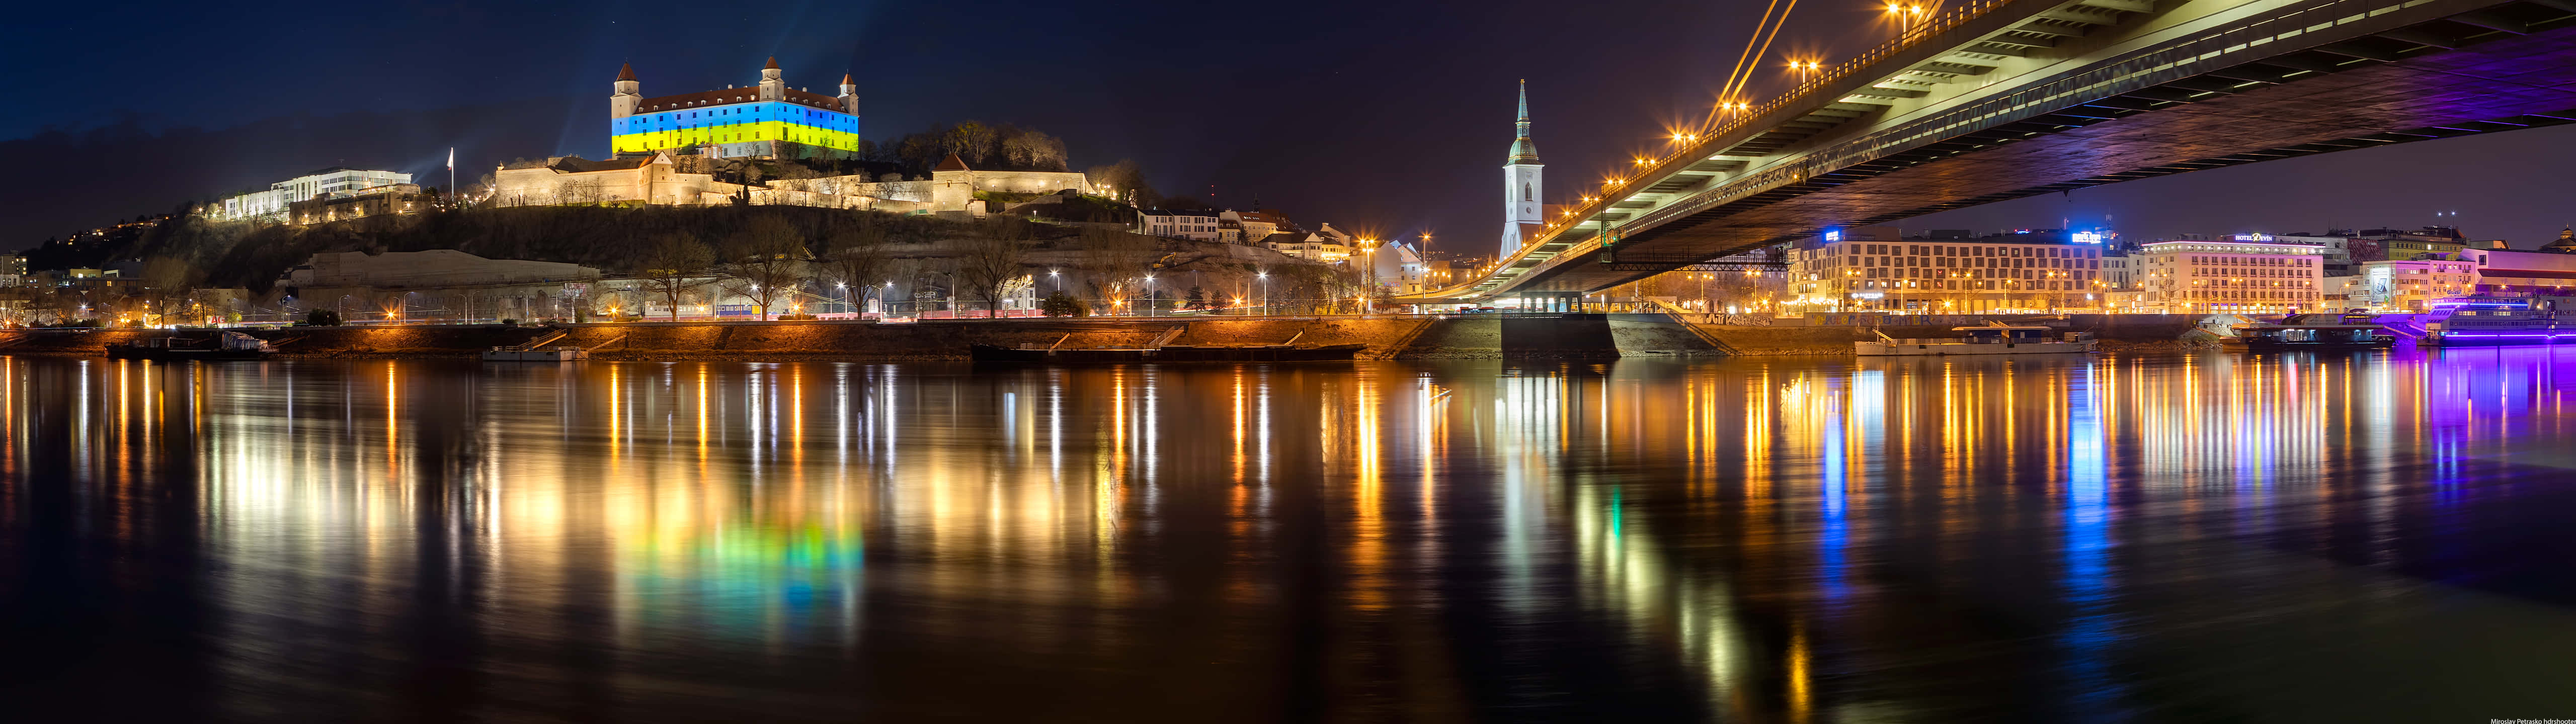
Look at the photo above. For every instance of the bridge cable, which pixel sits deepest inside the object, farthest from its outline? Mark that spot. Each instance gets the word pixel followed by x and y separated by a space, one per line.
pixel 1740 59
pixel 1751 58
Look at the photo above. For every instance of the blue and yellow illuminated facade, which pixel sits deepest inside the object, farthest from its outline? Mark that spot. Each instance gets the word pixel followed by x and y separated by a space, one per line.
pixel 764 121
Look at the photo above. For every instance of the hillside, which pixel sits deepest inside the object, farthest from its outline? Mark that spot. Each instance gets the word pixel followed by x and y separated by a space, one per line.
pixel 610 239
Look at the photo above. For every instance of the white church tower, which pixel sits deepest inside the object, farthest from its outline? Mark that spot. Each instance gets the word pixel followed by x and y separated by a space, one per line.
pixel 1521 187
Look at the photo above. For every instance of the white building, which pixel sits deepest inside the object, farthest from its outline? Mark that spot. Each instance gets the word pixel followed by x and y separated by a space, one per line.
pixel 2231 276
pixel 1395 267
pixel 2508 273
pixel 273 203
pixel 1524 216
pixel 1200 225
pixel 1310 247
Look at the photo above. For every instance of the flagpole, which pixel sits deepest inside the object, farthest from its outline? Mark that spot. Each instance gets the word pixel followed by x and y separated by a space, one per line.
pixel 454 201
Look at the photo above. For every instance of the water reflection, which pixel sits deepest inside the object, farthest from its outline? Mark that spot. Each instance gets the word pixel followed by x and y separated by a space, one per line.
pixel 1799 540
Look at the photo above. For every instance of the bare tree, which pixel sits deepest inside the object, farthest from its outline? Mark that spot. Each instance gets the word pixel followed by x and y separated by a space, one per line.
pixel 972 140
pixel 765 259
pixel 856 257
pixel 676 265
pixel 167 281
pixel 1035 150
pixel 990 262
pixel 1116 260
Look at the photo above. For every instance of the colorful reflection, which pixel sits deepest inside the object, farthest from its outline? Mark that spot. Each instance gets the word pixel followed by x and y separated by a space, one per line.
pixel 1783 540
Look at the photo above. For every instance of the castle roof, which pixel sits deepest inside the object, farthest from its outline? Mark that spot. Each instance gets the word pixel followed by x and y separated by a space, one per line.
pixel 845 80
pixel 626 71
pixel 952 163
pixel 773 64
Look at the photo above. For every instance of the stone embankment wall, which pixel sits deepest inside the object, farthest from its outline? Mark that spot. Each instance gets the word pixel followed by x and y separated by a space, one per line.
pixel 1470 338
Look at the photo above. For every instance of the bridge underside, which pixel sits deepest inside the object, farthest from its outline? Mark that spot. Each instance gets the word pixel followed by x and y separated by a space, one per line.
pixel 2347 96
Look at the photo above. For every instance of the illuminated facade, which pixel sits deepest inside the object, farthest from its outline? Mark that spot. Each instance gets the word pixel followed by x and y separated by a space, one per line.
pixel 770 120
pixel 274 203
pixel 1872 268
pixel 2412 286
pixel 2243 273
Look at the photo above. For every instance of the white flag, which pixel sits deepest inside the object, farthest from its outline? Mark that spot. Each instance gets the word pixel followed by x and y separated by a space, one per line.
pixel 451 158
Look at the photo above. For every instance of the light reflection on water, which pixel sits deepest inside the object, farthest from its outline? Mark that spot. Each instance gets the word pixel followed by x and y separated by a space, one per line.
pixel 1802 540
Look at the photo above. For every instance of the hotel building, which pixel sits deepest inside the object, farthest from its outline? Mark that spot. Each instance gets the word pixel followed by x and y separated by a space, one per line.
pixel 2241 273
pixel 1873 268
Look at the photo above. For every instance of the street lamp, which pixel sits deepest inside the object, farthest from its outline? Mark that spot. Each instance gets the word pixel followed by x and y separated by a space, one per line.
pixel 1905 14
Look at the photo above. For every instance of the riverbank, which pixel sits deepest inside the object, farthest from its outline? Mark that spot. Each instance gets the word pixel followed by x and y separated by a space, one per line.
pixel 1383 338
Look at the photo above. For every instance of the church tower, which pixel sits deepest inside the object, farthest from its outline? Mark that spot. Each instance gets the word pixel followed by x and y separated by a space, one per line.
pixel 849 95
pixel 1522 219
pixel 773 83
pixel 628 93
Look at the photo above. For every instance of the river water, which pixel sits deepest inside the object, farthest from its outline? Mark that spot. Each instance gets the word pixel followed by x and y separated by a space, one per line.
pixel 2382 537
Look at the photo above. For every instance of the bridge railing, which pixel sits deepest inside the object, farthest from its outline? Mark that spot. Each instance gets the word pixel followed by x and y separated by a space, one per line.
pixel 1928 27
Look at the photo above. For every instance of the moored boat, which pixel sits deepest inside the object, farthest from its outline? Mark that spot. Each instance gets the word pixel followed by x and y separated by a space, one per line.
pixel 2485 321
pixel 545 354
pixel 223 346
pixel 1991 338
pixel 2315 332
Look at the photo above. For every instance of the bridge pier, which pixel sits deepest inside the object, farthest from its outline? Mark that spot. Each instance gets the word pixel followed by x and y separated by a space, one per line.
pixel 1562 302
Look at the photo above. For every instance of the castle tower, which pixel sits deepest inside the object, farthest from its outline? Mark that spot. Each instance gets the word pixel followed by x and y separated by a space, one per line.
pixel 773 84
pixel 628 93
pixel 1522 219
pixel 849 95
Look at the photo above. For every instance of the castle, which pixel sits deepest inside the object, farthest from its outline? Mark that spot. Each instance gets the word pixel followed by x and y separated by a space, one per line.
pixel 767 120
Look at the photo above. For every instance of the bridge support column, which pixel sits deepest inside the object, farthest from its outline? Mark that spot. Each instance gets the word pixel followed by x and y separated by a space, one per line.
pixel 1566 301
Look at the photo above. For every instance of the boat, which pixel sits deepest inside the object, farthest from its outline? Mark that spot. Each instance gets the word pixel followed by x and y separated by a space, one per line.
pixel 1165 354
pixel 541 354
pixel 1994 338
pixel 541 348
pixel 224 345
pixel 2315 332
pixel 2500 322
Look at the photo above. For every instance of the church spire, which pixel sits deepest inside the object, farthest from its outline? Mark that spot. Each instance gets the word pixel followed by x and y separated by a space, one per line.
pixel 1524 151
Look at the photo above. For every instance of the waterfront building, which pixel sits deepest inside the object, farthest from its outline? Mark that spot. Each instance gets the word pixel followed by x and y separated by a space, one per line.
pixel 2501 272
pixel 2414 285
pixel 1874 268
pixel 769 120
pixel 273 203
pixel 13 271
pixel 1523 186
pixel 2230 276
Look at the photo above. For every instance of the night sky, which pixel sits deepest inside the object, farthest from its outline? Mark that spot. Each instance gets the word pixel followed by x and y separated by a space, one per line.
pixel 1388 117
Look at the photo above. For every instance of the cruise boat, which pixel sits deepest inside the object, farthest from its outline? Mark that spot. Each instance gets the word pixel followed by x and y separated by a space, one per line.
pixel 2500 322
pixel 1991 338
pixel 2315 332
